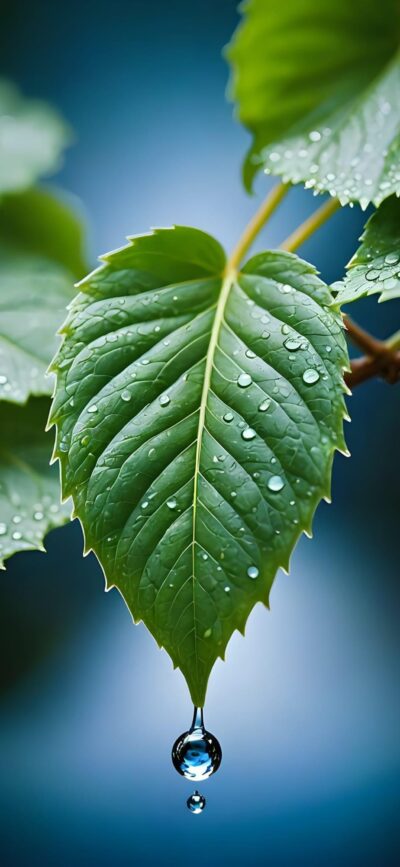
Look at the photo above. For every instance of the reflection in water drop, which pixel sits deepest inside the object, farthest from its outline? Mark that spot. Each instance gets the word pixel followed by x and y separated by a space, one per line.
pixel 196 754
pixel 196 803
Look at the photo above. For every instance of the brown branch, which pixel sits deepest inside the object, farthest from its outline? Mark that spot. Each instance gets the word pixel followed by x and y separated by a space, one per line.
pixel 361 338
pixel 385 366
pixel 380 360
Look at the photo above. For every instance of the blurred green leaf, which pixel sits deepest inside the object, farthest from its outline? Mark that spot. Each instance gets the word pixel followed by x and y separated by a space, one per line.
pixel 49 223
pixel 32 139
pixel 318 86
pixel 29 487
pixel 197 416
pixel 40 257
pixel 375 267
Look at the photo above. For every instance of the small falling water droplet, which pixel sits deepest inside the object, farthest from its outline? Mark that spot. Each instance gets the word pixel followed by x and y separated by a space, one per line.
pixel 196 803
pixel 196 754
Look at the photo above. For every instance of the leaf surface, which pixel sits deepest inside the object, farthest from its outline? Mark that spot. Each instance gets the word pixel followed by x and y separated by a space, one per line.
pixel 32 138
pixel 197 414
pixel 29 487
pixel 375 267
pixel 318 87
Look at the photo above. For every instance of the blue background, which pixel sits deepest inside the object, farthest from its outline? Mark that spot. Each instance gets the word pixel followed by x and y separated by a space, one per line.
pixel 307 706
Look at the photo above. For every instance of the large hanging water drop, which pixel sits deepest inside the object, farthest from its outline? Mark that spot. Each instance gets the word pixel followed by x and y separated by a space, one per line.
pixel 196 754
pixel 196 803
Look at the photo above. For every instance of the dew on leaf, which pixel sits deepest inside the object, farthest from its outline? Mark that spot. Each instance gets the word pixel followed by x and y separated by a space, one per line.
pixel 264 405
pixel 292 343
pixel 275 483
pixel 3 529
pixel 373 274
pixel 248 433
pixel 92 408
pixel 125 395
pixel 253 572
pixel 244 380
pixel 250 353
pixel 164 400
pixel 228 417
pixel 310 376
pixel 38 516
pixel 171 503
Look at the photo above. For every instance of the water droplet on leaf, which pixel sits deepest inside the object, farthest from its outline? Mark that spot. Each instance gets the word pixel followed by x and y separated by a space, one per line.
pixel 196 754
pixel 275 483
pixel 310 376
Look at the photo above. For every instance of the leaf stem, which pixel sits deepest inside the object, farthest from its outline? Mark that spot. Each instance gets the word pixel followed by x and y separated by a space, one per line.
pixel 306 229
pixel 256 223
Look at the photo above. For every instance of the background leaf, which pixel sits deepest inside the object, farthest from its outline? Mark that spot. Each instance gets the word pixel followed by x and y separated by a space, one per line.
pixel 197 416
pixel 29 487
pixel 317 85
pixel 375 267
pixel 32 138
pixel 40 257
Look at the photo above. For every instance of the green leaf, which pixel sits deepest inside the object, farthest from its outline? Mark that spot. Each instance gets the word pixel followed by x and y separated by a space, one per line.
pixel 40 256
pixel 317 84
pixel 375 267
pixel 32 138
pixel 197 415
pixel 29 487
pixel 46 222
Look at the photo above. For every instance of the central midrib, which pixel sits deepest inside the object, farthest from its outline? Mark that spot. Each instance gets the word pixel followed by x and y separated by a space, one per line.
pixel 227 283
